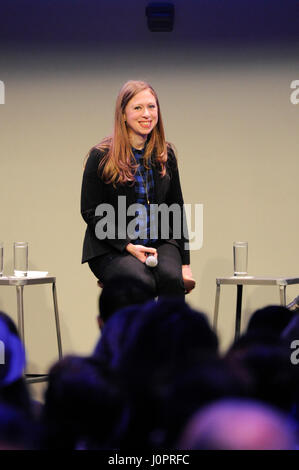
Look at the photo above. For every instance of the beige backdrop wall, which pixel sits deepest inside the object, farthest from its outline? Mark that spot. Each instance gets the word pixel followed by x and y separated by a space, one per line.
pixel 228 112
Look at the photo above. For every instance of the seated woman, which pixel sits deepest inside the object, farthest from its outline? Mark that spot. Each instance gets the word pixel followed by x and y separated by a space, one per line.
pixel 132 202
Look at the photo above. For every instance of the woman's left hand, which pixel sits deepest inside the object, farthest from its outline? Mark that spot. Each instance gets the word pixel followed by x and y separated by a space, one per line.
pixel 189 282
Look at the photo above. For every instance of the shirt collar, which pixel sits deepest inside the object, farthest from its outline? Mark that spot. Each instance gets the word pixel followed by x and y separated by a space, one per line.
pixel 139 152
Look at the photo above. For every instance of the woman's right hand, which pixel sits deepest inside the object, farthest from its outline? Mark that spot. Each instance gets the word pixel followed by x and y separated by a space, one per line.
pixel 140 252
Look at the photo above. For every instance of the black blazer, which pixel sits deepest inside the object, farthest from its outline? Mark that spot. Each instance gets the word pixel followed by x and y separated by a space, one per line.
pixel 94 191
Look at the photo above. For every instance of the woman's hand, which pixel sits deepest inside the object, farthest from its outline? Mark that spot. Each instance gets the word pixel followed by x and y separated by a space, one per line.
pixel 140 252
pixel 189 282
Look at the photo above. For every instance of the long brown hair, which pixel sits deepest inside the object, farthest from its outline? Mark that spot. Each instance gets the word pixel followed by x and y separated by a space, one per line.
pixel 116 165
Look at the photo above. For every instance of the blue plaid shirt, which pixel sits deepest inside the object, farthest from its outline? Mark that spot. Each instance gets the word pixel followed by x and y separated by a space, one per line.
pixel 144 183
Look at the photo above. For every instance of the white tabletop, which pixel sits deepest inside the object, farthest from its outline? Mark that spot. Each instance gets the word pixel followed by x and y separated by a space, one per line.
pixel 25 281
pixel 256 280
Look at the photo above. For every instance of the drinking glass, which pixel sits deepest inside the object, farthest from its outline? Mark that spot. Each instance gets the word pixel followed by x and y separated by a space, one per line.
pixel 240 252
pixel 20 259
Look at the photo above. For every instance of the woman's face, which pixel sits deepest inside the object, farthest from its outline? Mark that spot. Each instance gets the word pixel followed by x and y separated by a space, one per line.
pixel 141 114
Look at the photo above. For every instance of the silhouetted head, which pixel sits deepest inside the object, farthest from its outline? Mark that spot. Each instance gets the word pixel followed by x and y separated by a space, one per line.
pixel 9 323
pixel 12 353
pixel 120 292
pixel 81 406
pixel 145 348
pixel 17 432
pixel 266 361
pixel 238 425
pixel 270 320
pixel 166 332
pixel 291 331
pixel 13 388
pixel 197 387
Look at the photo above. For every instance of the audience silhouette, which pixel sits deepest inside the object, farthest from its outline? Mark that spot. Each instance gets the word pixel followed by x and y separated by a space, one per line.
pixel 157 380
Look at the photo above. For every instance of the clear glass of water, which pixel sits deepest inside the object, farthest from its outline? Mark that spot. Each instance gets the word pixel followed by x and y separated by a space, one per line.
pixel 20 259
pixel 1 259
pixel 240 252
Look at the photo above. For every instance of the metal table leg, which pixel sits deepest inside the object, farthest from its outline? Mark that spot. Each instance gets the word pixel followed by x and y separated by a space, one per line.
pixel 20 306
pixel 282 293
pixel 238 310
pixel 57 320
pixel 216 309
pixel 35 378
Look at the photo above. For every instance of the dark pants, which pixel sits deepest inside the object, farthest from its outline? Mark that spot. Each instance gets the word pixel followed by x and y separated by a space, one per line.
pixel 164 279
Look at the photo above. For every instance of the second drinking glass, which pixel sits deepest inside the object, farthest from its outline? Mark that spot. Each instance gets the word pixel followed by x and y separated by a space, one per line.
pixel 20 259
pixel 240 252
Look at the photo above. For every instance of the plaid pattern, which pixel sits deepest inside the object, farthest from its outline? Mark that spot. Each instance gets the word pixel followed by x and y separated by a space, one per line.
pixel 143 177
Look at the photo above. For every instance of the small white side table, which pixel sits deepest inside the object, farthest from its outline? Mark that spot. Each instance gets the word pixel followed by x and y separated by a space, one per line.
pixel 240 281
pixel 19 284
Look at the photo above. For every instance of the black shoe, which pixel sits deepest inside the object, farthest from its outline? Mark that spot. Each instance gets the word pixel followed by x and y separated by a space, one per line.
pixel 294 305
